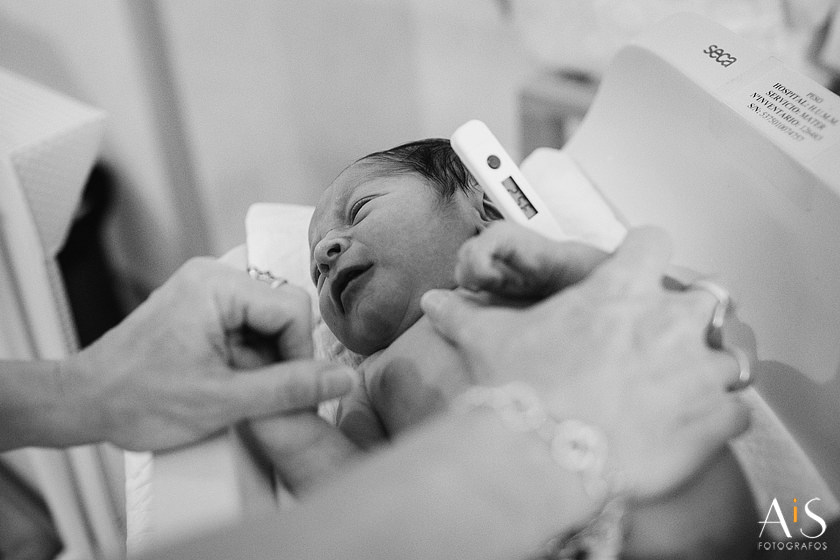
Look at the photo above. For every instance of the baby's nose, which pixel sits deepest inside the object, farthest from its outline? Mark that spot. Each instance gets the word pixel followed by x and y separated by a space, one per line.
pixel 328 250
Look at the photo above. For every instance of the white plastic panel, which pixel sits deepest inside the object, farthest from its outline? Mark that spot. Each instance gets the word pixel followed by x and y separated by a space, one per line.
pixel 672 140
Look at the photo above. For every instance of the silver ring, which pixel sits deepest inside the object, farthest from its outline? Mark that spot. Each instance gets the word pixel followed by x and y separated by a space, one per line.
pixel 745 375
pixel 267 277
pixel 714 332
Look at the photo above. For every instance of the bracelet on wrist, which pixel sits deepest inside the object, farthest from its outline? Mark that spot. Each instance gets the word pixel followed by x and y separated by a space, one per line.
pixel 576 447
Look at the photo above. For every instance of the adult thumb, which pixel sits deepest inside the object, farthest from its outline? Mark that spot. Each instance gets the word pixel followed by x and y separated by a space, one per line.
pixel 450 313
pixel 285 387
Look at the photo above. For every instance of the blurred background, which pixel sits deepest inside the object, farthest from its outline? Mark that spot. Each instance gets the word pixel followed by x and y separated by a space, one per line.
pixel 218 104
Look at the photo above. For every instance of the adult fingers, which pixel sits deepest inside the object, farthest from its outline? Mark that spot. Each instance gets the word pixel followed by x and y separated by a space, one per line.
pixel 708 427
pixel 295 341
pixel 284 387
pixel 285 311
pixel 452 316
pixel 721 369
pixel 732 362
pixel 236 257
pixel 638 264
pixel 711 415
pixel 303 447
pixel 733 418
pixel 692 440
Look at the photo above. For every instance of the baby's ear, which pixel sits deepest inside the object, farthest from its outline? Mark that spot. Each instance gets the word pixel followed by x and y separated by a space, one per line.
pixel 488 211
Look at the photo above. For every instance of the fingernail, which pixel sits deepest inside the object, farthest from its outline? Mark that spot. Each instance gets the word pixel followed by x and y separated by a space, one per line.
pixel 433 300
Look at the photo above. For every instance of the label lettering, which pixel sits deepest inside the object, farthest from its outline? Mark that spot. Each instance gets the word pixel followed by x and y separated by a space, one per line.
pixel 723 58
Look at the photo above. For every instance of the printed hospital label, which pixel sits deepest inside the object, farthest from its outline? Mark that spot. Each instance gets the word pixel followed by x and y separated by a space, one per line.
pixel 792 110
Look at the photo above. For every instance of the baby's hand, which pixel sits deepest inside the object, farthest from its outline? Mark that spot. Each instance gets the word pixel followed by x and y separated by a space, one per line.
pixel 513 262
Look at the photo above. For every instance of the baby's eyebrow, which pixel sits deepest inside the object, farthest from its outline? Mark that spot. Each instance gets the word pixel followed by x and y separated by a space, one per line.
pixel 347 195
pixel 343 197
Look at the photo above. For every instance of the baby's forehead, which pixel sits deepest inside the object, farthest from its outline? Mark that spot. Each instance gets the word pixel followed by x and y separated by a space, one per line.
pixel 330 206
pixel 342 188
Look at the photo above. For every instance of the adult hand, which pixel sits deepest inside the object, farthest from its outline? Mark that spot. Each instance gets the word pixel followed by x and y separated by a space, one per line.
pixel 420 373
pixel 618 351
pixel 193 359
pixel 511 261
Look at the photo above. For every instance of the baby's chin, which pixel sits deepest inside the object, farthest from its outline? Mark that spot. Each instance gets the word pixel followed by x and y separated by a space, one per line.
pixel 367 344
pixel 371 336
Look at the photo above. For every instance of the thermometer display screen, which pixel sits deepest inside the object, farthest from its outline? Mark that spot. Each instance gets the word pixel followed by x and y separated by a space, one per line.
pixel 519 197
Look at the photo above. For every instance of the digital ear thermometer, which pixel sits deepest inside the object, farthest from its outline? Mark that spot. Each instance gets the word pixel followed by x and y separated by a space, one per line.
pixel 501 179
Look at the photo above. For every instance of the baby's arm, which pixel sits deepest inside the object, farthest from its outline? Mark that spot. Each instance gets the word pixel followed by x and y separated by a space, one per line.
pixel 414 378
pixel 357 418
pixel 402 385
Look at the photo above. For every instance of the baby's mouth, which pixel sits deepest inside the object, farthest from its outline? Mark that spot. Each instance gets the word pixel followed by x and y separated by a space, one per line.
pixel 342 281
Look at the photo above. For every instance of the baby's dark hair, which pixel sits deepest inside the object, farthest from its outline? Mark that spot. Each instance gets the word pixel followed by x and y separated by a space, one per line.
pixel 432 158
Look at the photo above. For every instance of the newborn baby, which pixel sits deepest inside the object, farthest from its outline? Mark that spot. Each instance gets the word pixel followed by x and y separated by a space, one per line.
pixel 383 233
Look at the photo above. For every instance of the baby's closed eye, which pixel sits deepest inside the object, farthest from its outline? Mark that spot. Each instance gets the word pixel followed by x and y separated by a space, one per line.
pixel 357 206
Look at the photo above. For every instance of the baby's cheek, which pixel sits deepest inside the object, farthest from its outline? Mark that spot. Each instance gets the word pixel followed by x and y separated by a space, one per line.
pixel 335 325
pixel 376 322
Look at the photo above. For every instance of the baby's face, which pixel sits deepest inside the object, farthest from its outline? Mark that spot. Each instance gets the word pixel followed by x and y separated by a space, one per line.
pixel 376 245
